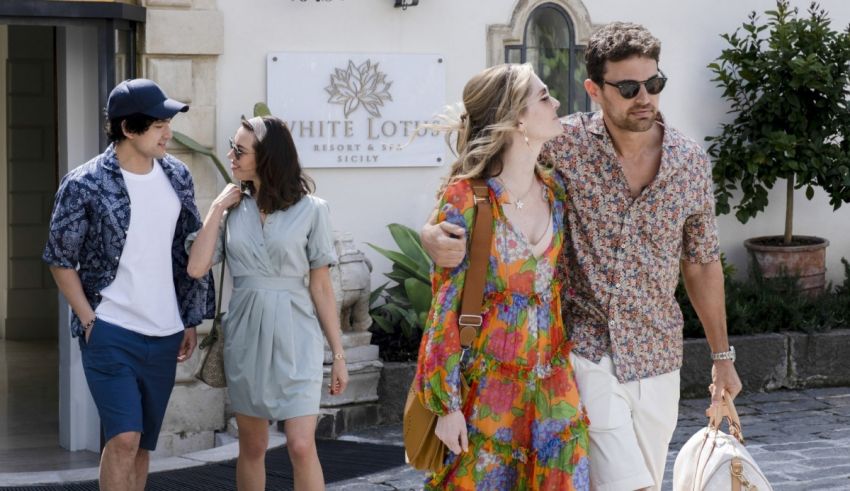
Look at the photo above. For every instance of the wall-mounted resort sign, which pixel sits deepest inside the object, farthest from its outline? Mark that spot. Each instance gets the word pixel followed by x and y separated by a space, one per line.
pixel 359 109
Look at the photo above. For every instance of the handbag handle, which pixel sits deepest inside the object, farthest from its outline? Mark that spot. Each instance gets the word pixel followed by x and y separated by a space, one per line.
pixel 479 254
pixel 725 410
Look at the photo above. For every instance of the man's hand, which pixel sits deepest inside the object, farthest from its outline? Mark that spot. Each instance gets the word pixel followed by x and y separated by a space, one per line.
pixel 724 377
pixel 188 344
pixel 444 242
pixel 451 430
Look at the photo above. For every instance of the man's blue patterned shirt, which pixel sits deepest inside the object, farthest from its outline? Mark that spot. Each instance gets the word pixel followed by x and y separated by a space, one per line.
pixel 88 229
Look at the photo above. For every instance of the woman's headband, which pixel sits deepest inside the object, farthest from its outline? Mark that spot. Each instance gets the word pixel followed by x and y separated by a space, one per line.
pixel 258 125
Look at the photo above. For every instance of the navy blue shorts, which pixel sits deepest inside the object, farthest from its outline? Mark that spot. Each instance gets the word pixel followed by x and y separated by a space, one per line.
pixel 130 376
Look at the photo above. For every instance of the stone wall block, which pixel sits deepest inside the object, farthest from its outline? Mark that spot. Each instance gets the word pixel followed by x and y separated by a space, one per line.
pixel 334 422
pixel 362 384
pixel 174 76
pixel 171 444
pixel 186 370
pixel 198 123
pixel 762 364
pixel 184 32
pixel 396 378
pixel 204 82
pixel 208 181
pixel 194 408
pixel 820 359
pixel 205 5
pixel 168 3
pixel 355 355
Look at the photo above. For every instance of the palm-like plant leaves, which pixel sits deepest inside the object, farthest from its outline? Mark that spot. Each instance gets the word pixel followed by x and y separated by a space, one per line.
pixel 194 146
pixel 407 302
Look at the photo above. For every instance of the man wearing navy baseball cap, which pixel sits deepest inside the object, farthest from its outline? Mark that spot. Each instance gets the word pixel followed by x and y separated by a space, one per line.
pixel 116 250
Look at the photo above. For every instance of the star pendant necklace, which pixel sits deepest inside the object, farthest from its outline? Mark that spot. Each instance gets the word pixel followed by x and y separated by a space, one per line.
pixel 518 201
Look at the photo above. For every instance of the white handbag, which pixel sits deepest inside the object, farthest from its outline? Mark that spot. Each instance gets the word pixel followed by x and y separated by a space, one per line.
pixel 714 461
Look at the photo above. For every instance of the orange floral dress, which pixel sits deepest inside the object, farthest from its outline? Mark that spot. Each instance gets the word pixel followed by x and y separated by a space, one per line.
pixel 527 428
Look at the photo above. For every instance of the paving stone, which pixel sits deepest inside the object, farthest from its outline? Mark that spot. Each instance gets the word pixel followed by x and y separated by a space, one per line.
pixel 797 446
pixel 777 396
pixel 747 410
pixel 840 411
pixel 806 431
pixel 824 392
pixel 771 457
pixel 813 476
pixel 841 449
pixel 800 439
pixel 786 406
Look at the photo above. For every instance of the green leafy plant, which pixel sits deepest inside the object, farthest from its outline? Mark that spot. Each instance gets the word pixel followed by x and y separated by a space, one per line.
pixel 196 147
pixel 400 310
pixel 758 305
pixel 260 109
pixel 786 80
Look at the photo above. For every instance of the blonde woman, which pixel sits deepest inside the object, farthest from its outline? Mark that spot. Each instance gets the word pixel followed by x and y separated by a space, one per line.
pixel 521 425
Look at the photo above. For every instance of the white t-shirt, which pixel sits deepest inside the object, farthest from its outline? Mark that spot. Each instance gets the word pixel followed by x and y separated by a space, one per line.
pixel 142 298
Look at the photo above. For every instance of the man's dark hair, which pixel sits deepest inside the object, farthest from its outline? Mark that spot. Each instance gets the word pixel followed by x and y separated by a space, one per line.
pixel 618 41
pixel 134 123
pixel 283 181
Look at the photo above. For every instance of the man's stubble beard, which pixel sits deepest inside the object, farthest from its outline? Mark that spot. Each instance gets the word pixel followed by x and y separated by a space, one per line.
pixel 636 126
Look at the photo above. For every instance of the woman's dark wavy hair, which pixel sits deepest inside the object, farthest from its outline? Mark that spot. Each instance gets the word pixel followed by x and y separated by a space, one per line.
pixel 283 181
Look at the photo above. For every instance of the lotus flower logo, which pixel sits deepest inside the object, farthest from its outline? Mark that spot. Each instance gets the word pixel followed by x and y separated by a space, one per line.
pixel 357 86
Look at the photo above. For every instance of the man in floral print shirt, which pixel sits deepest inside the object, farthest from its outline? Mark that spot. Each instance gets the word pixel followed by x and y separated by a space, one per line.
pixel 640 210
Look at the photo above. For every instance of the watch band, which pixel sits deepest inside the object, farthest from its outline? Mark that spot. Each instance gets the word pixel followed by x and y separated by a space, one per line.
pixel 339 356
pixel 724 355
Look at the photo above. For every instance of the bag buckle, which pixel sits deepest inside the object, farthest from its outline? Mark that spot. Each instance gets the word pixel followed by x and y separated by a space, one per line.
pixel 470 320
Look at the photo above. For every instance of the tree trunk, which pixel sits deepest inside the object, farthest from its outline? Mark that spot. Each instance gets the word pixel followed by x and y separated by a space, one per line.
pixel 789 210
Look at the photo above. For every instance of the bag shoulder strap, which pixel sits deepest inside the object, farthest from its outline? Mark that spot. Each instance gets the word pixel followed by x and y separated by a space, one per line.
pixel 223 264
pixel 479 255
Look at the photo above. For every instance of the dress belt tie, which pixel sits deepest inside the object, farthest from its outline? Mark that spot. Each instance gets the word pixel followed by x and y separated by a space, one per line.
pixel 270 282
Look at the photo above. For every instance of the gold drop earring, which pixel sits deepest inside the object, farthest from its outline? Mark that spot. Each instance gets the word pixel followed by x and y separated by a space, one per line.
pixel 524 134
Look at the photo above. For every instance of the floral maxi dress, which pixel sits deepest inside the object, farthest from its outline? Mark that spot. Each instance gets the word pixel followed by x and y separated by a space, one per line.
pixel 526 426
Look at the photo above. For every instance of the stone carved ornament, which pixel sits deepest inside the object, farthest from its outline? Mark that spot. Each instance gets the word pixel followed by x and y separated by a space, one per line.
pixel 351 280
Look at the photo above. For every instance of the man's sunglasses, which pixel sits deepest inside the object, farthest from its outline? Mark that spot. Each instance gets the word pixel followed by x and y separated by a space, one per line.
pixel 629 89
pixel 237 152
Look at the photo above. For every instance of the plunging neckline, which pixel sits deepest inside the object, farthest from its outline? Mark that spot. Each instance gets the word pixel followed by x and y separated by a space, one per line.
pixel 550 228
pixel 550 232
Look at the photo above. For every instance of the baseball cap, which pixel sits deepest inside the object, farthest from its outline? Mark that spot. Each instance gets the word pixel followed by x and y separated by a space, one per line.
pixel 141 96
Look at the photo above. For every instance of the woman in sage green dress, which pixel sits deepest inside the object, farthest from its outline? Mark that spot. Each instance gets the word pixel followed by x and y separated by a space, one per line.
pixel 278 249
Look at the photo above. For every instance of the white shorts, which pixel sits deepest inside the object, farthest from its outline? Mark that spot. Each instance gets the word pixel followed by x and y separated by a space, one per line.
pixel 631 425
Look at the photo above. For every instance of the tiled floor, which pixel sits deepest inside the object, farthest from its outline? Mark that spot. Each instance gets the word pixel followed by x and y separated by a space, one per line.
pixel 29 410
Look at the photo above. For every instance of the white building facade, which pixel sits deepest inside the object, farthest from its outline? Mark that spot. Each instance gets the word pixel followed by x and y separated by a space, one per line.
pixel 214 54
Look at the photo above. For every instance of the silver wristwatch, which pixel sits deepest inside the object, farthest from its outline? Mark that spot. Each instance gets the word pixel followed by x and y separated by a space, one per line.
pixel 724 355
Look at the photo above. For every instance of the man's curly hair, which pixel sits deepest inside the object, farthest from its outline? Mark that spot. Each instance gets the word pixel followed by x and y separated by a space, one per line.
pixel 618 41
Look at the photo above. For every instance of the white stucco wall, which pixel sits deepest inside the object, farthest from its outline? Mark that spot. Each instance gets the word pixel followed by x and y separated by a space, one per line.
pixel 364 200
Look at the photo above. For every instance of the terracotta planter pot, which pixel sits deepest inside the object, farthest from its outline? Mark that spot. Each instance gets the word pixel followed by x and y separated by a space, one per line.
pixel 806 262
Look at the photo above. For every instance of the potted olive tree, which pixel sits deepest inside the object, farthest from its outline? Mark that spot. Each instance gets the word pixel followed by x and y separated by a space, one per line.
pixel 786 80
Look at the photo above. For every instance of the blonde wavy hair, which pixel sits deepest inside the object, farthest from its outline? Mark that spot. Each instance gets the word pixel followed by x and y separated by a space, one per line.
pixel 481 126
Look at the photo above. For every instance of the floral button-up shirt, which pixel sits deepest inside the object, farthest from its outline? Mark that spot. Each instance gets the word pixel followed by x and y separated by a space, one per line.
pixel 88 229
pixel 622 257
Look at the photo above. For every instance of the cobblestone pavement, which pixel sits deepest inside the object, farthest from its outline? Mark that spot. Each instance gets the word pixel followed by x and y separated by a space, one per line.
pixel 801 440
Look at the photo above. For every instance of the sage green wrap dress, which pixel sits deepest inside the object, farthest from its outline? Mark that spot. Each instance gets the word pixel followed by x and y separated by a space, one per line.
pixel 273 343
